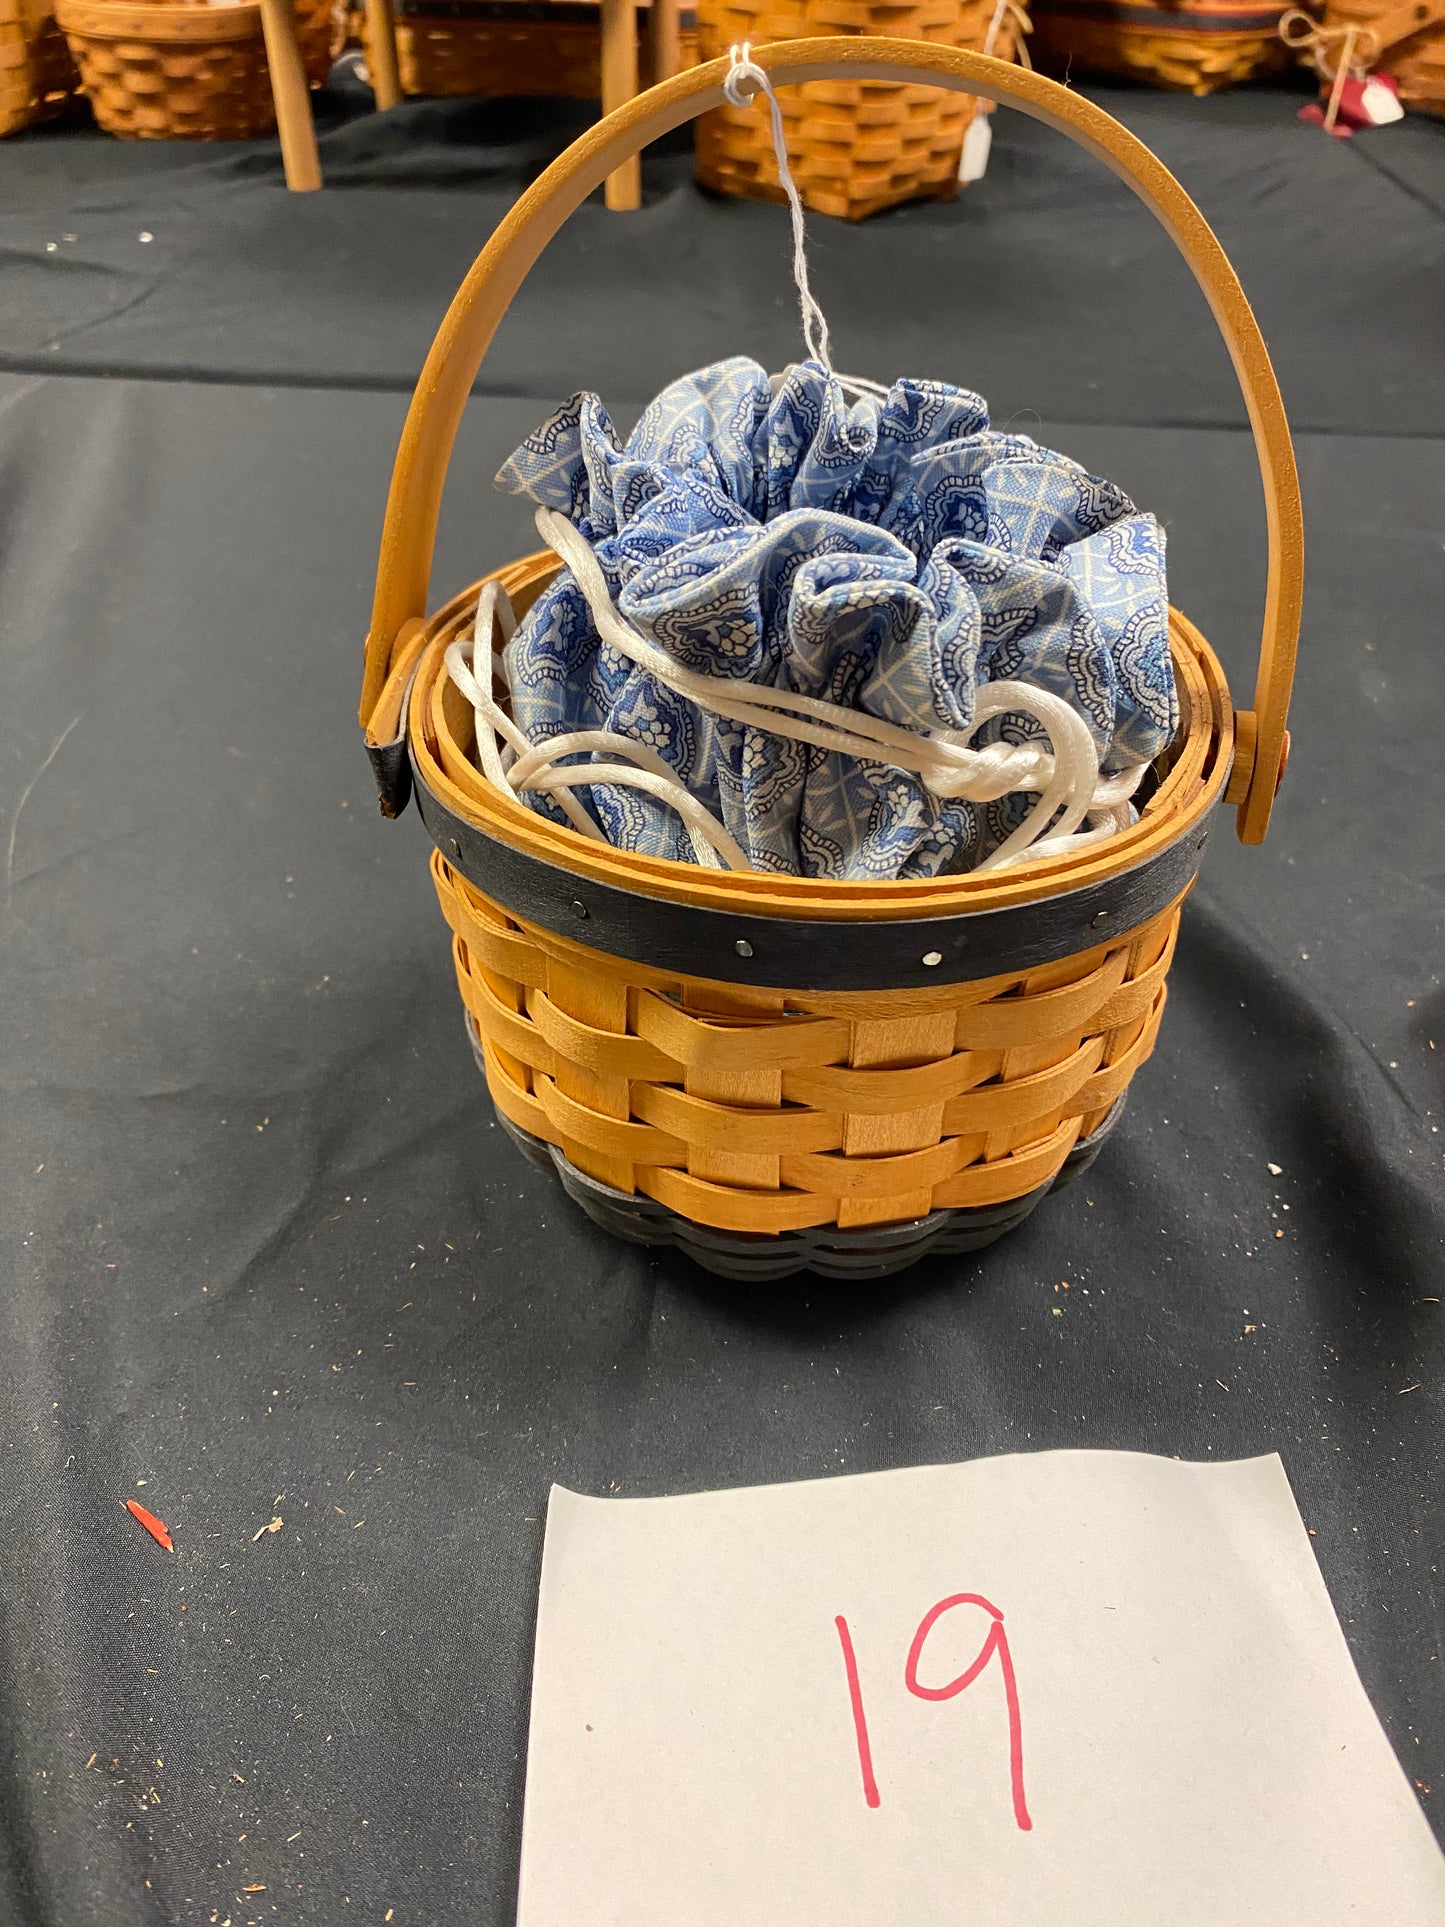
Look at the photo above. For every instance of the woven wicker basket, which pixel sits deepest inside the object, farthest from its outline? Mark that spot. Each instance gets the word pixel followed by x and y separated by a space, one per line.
pixel 492 48
pixel 1407 42
pixel 540 49
pixel 854 148
pixel 776 1072
pixel 37 75
pixel 187 71
pixel 1197 46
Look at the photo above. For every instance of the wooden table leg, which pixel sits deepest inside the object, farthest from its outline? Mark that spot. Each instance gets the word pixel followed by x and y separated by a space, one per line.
pixel 381 54
pixel 292 95
pixel 664 36
pixel 619 84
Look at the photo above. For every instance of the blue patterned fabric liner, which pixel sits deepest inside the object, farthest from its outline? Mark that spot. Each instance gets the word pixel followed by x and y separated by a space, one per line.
pixel 889 555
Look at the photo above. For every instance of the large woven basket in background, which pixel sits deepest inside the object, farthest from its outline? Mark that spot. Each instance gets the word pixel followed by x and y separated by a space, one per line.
pixel 854 148
pixel 37 75
pixel 778 1072
pixel 185 69
pixel 1198 46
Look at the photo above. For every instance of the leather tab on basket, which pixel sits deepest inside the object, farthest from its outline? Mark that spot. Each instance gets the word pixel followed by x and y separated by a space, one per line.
pixel 391 761
pixel 391 767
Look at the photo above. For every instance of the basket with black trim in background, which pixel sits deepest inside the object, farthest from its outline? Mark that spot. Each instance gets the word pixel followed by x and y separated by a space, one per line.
pixel 776 1072
pixel 1193 46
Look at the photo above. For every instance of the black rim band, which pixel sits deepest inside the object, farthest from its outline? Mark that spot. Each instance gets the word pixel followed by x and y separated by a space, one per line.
pixel 787 953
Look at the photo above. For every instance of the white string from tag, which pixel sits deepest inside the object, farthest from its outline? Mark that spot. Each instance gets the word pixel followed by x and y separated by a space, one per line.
pixel 745 73
pixel 1022 26
pixel 1359 48
pixel 978 135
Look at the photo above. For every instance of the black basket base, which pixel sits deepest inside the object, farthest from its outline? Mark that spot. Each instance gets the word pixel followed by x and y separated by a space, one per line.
pixel 871 1251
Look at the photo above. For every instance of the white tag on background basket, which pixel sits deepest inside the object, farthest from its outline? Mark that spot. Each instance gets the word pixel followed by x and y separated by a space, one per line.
pixel 977 144
pixel 1380 103
pixel 1064 1689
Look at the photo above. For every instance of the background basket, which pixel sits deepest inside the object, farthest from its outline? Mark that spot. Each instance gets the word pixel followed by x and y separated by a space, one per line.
pixel 1409 44
pixel 529 47
pixel 695 1052
pixel 187 71
pixel 854 147
pixel 37 75
pixel 493 48
pixel 1198 46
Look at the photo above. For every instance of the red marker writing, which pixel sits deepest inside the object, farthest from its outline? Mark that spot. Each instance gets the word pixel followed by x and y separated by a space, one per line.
pixel 860 1718
pixel 995 1643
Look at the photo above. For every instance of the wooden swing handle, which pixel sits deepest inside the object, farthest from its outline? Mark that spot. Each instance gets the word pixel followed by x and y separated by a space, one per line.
pixel 456 355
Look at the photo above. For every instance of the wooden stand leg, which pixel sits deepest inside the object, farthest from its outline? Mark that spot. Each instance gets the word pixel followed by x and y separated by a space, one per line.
pixel 619 84
pixel 381 54
pixel 662 31
pixel 292 96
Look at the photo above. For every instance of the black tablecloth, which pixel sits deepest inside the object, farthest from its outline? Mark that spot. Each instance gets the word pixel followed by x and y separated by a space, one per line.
pixel 271 1257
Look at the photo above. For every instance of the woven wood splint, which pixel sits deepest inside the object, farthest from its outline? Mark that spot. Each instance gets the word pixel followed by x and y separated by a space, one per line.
pixel 187 71
pixel 1196 46
pixel 854 147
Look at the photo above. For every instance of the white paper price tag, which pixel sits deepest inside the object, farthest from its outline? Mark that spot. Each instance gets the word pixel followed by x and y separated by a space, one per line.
pixel 1068 1689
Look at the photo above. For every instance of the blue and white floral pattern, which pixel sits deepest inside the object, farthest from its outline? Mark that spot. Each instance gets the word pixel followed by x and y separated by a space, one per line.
pixel 889 555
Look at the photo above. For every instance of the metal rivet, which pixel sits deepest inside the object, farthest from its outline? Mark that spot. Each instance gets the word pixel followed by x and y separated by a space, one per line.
pixel 743 947
pixel 932 958
pixel 579 908
pixel 1103 917
pixel 456 847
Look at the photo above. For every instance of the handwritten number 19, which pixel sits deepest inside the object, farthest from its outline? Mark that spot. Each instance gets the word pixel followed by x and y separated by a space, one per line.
pixel 995 1644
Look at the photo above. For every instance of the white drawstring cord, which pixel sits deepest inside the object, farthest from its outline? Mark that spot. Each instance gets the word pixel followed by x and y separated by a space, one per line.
pixel 528 766
pixel 1066 779
pixel 944 761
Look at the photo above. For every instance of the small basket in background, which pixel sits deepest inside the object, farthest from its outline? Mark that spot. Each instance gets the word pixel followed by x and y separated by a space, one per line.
pixel 186 70
pixel 37 75
pixel 1192 46
pixel 854 147
pixel 1407 42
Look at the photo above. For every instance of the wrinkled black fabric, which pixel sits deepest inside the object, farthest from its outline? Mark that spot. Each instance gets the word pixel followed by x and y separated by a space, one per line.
pixel 271 1257
pixel 1338 242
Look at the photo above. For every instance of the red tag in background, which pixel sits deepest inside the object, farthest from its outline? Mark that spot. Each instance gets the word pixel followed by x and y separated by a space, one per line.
pixel 1371 102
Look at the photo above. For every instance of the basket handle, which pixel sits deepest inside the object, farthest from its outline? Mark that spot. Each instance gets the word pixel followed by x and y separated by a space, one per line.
pixel 409 532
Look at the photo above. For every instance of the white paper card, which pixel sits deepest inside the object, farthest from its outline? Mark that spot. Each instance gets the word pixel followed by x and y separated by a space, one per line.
pixel 1064 1689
